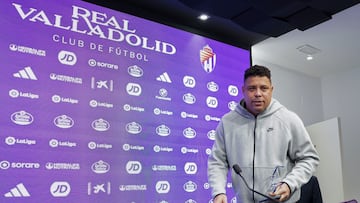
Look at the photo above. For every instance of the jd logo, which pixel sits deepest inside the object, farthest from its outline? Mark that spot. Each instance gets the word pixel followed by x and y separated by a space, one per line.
pixel 162 187
pixel 190 168
pixel 67 58
pixel 60 189
pixel 133 167
pixel 211 102
pixel 133 89
pixel 189 81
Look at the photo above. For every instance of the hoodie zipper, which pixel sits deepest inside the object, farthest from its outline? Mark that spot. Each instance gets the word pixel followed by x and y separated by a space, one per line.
pixel 253 161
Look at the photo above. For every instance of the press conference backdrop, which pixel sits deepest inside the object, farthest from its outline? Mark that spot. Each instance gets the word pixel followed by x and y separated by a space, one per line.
pixel 102 106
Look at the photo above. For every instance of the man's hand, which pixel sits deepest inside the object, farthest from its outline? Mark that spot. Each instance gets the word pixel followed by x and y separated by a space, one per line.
pixel 220 198
pixel 283 190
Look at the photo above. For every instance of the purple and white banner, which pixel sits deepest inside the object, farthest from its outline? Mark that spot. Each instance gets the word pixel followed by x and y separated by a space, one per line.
pixel 102 106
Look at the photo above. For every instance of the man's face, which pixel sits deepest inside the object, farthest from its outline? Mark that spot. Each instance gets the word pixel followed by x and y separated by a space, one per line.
pixel 257 93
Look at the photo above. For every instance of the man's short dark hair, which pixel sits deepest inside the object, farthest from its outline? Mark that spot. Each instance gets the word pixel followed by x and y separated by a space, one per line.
pixel 257 70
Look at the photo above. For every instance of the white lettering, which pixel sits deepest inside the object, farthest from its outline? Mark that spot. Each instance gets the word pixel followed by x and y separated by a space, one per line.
pixel 98 24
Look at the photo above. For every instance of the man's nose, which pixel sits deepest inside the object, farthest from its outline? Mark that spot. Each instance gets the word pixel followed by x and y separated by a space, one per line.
pixel 258 92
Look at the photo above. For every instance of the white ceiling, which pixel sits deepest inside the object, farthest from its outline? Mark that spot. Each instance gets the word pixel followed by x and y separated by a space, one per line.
pixel 338 39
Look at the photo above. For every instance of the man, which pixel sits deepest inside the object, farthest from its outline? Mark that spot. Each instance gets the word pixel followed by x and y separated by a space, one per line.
pixel 267 141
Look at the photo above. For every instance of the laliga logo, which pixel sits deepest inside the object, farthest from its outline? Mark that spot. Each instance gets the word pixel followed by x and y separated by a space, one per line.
pixel 208 59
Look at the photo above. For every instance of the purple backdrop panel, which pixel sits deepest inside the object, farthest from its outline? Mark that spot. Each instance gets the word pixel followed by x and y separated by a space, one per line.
pixel 102 106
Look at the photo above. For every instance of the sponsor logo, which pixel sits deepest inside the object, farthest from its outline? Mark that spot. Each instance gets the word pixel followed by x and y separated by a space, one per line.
pixel 56 143
pixel 93 145
pixel 184 114
pixel 94 63
pixel 208 151
pixel 57 99
pixel 63 121
pixel 190 186
pixel 18 191
pixel 206 186
pixel 211 134
pixel 164 77
pixel 128 107
pixel 133 167
pixel 135 71
pixel 102 84
pixel 212 86
pixel 16 93
pixel 133 89
pixel 124 188
pixel 100 167
pixel 5 165
pixel 189 133
pixel 60 189
pixel 18 165
pixel 189 81
pixel 163 130
pixel 128 147
pixel 62 166
pixel 233 90
pixel 190 168
pixel 211 118
pixel 186 150
pixel 93 103
pixel 162 187
pixel 133 128
pixel 100 125
pixel 164 167
pixel 12 141
pixel 99 188
pixel 67 58
pixel 189 98
pixel 26 73
pixel 158 111
pixel 232 105
pixel 211 102
pixel 229 185
pixel 158 148
pixel 65 78
pixel 27 50
pixel 163 95
pixel 22 118
pixel 207 59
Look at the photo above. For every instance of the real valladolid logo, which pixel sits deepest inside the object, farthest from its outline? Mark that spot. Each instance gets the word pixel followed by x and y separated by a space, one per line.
pixel 207 59
pixel 94 23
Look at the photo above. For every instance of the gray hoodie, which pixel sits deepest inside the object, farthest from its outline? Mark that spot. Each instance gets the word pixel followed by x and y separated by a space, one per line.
pixel 270 148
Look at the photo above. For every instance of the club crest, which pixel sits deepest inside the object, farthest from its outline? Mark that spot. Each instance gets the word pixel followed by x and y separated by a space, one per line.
pixel 207 59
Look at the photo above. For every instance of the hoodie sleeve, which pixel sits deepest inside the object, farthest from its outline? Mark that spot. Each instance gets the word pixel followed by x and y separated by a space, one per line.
pixel 302 152
pixel 218 166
